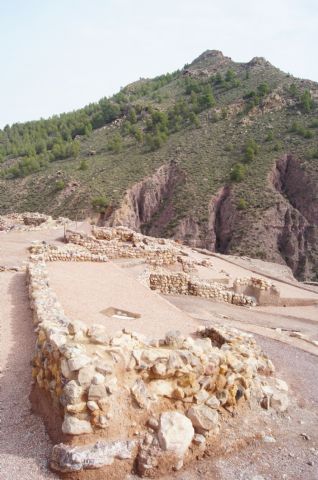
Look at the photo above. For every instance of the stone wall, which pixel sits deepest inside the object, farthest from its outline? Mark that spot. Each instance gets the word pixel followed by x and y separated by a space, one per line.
pixel 183 284
pixel 174 385
pixel 29 221
pixel 67 253
pixel 264 291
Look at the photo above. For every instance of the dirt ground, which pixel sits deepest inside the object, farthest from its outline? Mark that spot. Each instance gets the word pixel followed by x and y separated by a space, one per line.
pixel 25 447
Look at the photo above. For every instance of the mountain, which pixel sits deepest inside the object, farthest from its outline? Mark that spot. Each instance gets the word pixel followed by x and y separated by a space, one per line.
pixel 220 154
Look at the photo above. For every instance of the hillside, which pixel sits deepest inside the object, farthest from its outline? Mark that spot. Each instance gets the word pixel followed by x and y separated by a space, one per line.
pixel 219 154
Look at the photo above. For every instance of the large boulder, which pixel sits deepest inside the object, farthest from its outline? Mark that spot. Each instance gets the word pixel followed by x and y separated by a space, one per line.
pixel 175 433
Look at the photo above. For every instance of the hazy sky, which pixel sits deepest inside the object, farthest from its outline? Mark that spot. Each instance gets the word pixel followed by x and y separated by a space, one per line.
pixel 58 55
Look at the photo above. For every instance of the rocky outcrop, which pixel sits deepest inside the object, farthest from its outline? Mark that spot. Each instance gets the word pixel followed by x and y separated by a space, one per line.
pixel 148 205
pixel 297 216
pixel 221 221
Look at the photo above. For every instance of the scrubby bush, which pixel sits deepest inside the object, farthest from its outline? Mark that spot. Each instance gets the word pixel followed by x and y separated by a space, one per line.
pixel 115 144
pixel 242 204
pixel 83 165
pixel 250 150
pixel 100 204
pixel 306 101
pixel 59 185
pixel 238 172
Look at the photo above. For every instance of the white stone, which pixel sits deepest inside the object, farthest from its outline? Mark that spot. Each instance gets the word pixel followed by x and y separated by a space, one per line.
pixel 213 402
pixel 71 458
pixel 140 394
pixel 85 375
pixel 281 385
pixel 203 417
pixel 175 432
pixel 66 372
pixel 72 393
pixel 58 340
pixel 161 388
pixel 91 405
pixel 78 362
pixel 280 402
pixel 98 378
pixel 199 439
pixel 74 426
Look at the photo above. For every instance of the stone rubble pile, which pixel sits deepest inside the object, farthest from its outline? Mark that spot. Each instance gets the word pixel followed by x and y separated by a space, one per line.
pixel 182 284
pixel 172 387
pixel 28 221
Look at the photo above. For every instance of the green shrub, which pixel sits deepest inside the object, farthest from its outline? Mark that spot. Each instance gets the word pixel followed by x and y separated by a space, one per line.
pixel 306 101
pixel 83 165
pixel 59 185
pixel 238 172
pixel 270 136
pixel 242 204
pixel 115 144
pixel 100 204
pixel 250 150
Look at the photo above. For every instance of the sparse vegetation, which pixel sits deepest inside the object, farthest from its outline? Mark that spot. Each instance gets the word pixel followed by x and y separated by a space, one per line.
pixel 100 204
pixel 238 172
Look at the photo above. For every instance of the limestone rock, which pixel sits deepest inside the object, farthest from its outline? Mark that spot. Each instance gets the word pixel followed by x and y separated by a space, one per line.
pixel 279 401
pixel 67 458
pixel 161 388
pixel 140 394
pixel 91 405
pixel 96 392
pixel 72 393
pixel 74 426
pixel 203 417
pixel 76 408
pixel 199 439
pixel 85 375
pixel 78 362
pixel 175 432
pixel 213 402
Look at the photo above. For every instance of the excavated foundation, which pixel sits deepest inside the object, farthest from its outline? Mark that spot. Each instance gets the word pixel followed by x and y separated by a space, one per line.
pixel 128 402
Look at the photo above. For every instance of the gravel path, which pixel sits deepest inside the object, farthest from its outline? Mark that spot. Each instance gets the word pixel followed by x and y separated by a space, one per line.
pixel 24 445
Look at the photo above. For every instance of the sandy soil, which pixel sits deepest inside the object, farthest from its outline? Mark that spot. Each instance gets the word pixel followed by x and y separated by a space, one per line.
pixel 86 289
pixel 24 445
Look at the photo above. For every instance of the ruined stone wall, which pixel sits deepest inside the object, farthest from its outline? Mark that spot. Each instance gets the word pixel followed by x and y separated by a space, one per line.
pixel 96 381
pixel 65 253
pixel 120 247
pixel 264 291
pixel 183 284
pixel 28 221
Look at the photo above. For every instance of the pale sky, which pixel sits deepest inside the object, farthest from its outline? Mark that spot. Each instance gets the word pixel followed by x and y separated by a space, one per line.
pixel 59 55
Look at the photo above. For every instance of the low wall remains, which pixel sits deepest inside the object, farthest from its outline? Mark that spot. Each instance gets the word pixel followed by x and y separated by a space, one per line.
pixel 264 291
pixel 182 284
pixel 105 388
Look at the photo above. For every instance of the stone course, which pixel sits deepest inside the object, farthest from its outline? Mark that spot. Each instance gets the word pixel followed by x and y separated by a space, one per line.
pixel 182 284
pixel 264 291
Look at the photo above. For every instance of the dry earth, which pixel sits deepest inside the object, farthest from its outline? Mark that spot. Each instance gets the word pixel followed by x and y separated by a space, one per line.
pixel 24 445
